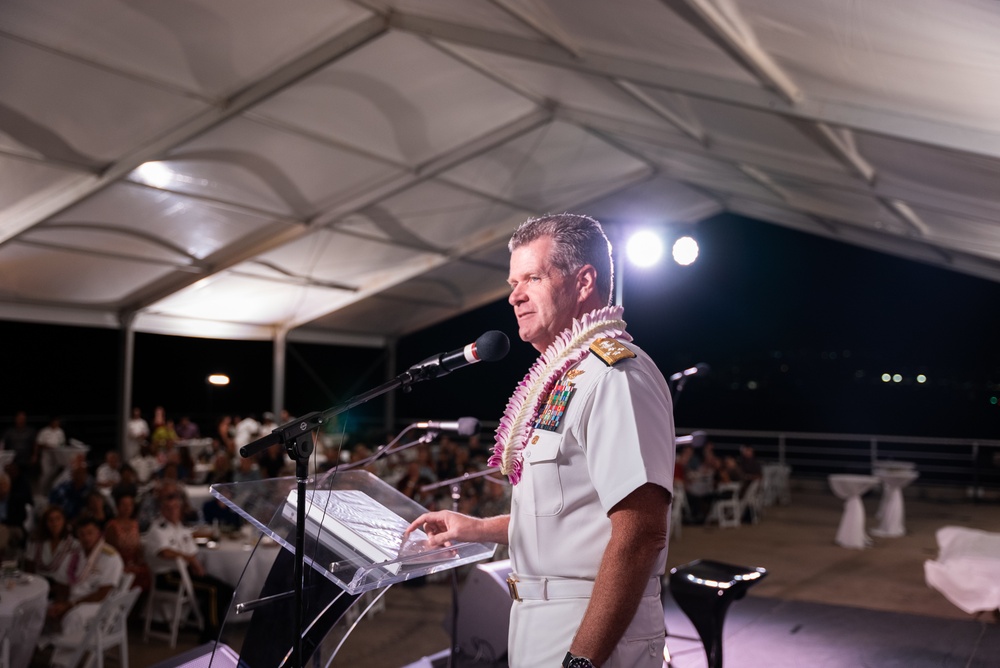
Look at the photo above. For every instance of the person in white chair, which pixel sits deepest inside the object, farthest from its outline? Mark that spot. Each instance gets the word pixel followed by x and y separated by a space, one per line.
pixel 94 571
pixel 168 539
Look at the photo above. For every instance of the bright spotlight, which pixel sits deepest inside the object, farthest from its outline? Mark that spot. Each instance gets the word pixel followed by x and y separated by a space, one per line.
pixel 644 248
pixel 896 378
pixel 218 379
pixel 685 251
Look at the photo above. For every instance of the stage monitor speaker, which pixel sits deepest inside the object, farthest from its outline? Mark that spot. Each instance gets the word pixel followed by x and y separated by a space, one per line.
pixel 484 612
pixel 201 657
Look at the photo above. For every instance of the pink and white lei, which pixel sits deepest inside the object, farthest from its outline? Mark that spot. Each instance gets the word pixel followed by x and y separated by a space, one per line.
pixel 517 423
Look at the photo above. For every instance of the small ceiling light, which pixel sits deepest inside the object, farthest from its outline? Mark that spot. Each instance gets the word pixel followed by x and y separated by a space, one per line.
pixel 921 378
pixel 896 378
pixel 886 378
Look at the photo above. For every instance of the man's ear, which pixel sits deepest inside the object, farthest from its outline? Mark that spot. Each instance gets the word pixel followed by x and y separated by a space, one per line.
pixel 586 283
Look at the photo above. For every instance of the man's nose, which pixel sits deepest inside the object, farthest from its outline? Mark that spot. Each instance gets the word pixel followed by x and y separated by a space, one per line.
pixel 516 296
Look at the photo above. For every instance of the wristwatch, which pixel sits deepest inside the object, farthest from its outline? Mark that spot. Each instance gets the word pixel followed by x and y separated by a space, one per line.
pixel 570 661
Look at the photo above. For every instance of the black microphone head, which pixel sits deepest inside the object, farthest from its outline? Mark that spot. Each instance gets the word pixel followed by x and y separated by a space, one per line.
pixel 492 346
pixel 468 426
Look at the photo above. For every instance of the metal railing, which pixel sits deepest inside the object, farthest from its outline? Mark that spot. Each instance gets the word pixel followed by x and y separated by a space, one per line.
pixel 958 462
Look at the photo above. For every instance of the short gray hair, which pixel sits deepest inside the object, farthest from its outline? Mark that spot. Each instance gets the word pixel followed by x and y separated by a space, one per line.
pixel 577 240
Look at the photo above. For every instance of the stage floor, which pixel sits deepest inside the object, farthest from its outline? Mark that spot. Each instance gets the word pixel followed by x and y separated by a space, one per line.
pixel 821 605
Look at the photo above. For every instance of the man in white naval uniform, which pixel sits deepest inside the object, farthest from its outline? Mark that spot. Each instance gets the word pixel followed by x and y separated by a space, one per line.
pixel 94 572
pixel 587 441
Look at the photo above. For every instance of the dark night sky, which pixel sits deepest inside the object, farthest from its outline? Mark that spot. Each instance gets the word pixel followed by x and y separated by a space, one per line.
pixel 810 323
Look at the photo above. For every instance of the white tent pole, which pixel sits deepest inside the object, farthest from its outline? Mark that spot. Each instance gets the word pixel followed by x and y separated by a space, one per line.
pixel 125 386
pixel 278 365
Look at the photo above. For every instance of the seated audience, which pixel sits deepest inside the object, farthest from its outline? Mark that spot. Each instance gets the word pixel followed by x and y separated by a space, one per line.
pixel 122 533
pixel 97 508
pixel 16 502
pixel 145 464
pixel 110 472
pixel 95 570
pixel 168 540
pixel 50 550
pixel 72 495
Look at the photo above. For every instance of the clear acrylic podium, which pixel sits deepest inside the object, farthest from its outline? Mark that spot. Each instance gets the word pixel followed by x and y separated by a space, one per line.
pixel 353 552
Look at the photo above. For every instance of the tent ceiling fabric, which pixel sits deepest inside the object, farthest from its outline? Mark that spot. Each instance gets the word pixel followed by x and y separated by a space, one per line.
pixel 351 171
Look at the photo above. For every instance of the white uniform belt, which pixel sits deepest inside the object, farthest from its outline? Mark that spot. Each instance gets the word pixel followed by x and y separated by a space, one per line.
pixel 536 588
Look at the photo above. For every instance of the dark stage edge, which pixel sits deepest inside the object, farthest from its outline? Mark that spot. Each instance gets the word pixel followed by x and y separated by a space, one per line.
pixel 772 633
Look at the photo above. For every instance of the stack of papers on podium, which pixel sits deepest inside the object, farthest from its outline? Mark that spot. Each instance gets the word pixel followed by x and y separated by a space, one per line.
pixel 353 524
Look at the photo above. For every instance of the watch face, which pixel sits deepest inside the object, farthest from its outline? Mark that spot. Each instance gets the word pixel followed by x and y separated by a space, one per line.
pixel 579 662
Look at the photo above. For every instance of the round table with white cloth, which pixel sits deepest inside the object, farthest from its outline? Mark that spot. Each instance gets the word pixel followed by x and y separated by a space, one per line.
pixel 850 487
pixel 892 515
pixel 226 559
pixel 23 601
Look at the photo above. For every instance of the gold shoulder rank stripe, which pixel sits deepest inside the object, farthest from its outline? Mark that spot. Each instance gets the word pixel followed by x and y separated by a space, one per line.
pixel 610 351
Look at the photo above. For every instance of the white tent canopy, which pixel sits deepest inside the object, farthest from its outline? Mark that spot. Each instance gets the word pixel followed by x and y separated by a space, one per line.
pixel 350 171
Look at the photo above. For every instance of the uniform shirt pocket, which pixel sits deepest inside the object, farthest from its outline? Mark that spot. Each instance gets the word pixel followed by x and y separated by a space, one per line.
pixel 542 460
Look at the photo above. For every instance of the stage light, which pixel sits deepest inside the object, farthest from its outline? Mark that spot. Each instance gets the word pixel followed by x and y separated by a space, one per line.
pixel 218 379
pixel 886 378
pixel 921 378
pixel 644 248
pixel 685 251
pixel 896 378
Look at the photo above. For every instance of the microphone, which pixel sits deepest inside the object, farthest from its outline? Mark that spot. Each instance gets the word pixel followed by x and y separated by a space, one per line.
pixel 490 347
pixel 466 426
pixel 700 367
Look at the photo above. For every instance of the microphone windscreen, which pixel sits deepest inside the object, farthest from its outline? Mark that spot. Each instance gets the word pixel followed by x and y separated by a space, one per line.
pixel 492 346
pixel 468 426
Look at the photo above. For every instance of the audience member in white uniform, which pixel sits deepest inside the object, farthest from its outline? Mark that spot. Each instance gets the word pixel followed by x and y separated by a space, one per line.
pixel 95 569
pixel 587 442
pixel 168 540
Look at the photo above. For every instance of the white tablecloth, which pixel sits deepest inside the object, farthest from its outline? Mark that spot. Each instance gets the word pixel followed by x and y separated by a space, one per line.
pixel 226 560
pixel 967 570
pixel 22 615
pixel 851 532
pixel 891 510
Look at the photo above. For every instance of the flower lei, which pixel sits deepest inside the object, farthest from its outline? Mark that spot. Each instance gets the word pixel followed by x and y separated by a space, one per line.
pixel 517 423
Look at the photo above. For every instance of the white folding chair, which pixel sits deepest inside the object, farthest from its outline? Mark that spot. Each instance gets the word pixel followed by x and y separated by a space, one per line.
pixel 178 607
pixel 104 631
pixel 726 509
pixel 752 501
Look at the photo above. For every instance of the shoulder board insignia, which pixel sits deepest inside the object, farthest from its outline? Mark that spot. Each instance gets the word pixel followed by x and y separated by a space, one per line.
pixel 610 351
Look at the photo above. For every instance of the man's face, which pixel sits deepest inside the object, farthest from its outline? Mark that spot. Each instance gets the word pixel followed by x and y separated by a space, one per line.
pixel 545 302
pixel 170 506
pixel 88 535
